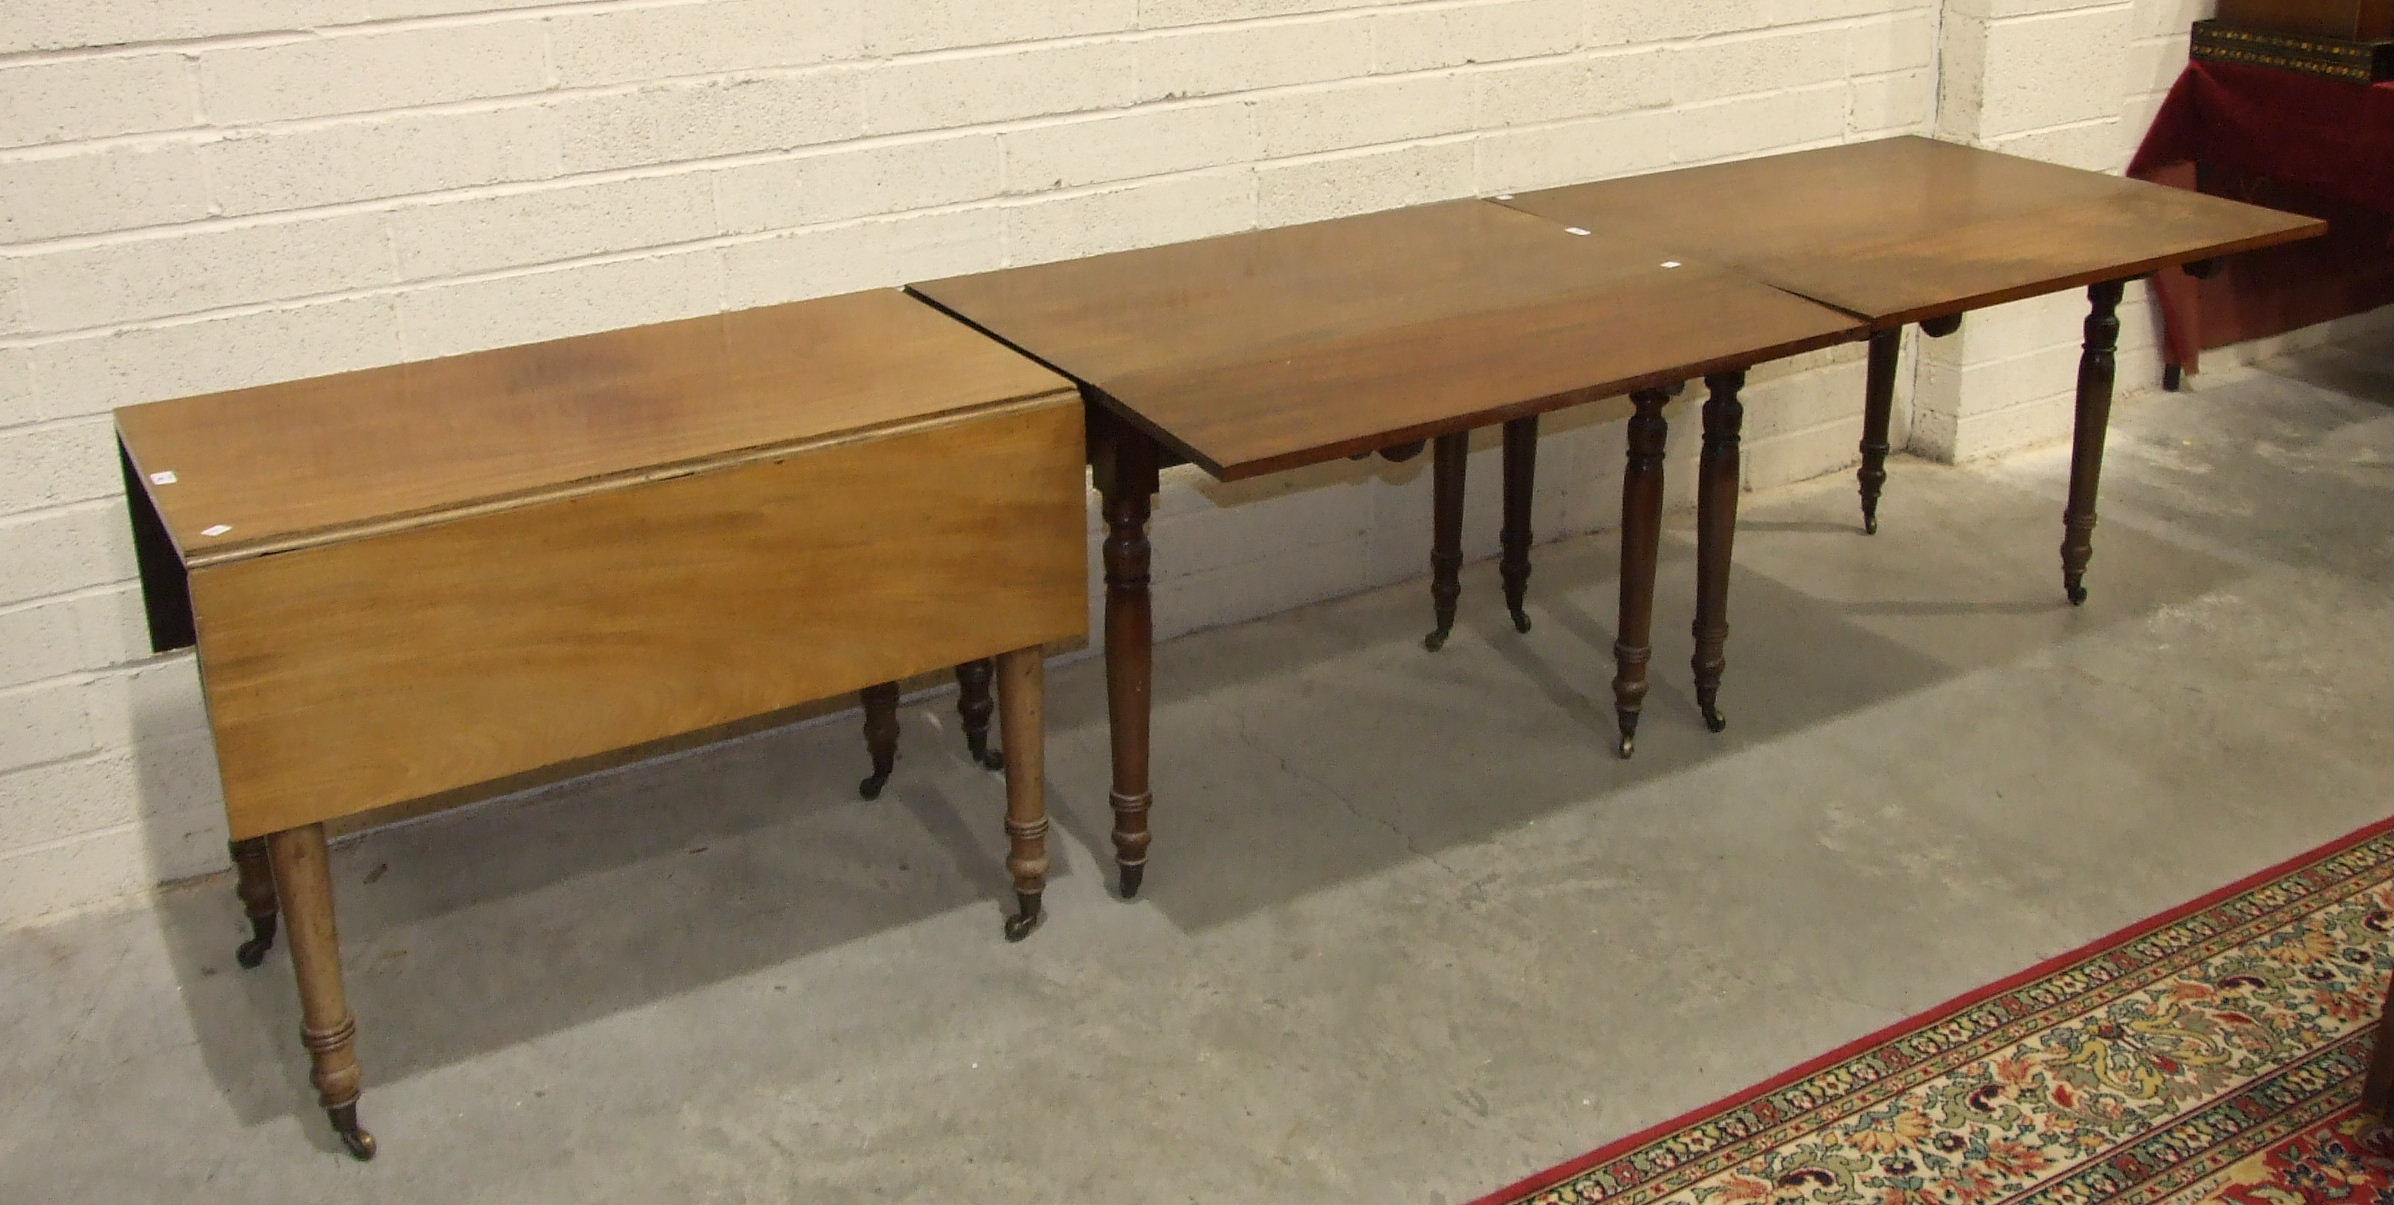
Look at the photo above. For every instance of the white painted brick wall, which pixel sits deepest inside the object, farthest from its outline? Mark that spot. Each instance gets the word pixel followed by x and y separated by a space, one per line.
pixel 164 274
pixel 71 99
pixel 91 191
pixel 631 45
pixel 208 194
pixel 310 164
pixel 859 181
pixel 370 71
pixel 487 232
pixel 1252 57
pixel 1156 140
pixel 1424 37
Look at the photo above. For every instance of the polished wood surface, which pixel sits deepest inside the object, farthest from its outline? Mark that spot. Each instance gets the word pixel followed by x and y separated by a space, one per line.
pixel 414 581
pixel 1449 472
pixel 383 668
pixel 2095 370
pixel 303 880
pixel 1022 721
pixel 1123 462
pixel 1903 229
pixel 973 709
pixel 1641 543
pixel 1716 531
pixel 1878 411
pixel 1521 476
pixel 1268 350
pixel 311 460
pixel 1448 466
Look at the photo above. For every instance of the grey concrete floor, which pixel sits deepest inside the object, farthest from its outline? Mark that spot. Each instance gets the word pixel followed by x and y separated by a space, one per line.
pixel 1411 930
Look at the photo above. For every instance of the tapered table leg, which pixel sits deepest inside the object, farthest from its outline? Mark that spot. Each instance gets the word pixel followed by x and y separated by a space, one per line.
pixel 2086 444
pixel 973 708
pixel 881 735
pixel 1716 528
pixel 1521 471
pixel 1878 408
pixel 1022 700
pixel 1641 542
pixel 303 880
pixel 1446 532
pixel 1126 480
pixel 253 876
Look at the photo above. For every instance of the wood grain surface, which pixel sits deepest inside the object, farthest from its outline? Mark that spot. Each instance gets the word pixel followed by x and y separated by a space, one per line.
pixel 370 671
pixel 302 462
pixel 1908 228
pixel 1262 351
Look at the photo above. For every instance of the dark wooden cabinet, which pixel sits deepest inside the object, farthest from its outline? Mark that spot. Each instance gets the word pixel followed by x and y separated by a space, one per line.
pixel 2358 20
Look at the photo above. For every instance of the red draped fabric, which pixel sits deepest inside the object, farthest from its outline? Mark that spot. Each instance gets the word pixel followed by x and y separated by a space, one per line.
pixel 2289 141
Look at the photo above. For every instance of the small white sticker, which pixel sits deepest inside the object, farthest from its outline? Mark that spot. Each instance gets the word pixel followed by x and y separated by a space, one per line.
pixel 162 478
pixel 217 530
pixel 1573 230
pixel 1504 196
pixel 1670 263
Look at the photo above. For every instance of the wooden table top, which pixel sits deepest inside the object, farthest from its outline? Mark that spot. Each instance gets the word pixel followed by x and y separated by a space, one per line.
pixel 1262 351
pixel 279 466
pixel 1909 228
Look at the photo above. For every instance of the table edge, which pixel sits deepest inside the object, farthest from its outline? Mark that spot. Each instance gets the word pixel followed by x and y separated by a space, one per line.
pixel 319 536
pixel 1854 331
pixel 2124 271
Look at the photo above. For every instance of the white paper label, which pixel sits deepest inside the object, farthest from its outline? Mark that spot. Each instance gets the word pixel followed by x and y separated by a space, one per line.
pixel 167 478
pixel 1573 230
pixel 217 530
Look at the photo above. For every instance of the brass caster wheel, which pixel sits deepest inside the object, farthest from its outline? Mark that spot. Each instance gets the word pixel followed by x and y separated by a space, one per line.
pixel 1714 721
pixel 1629 745
pixel 2077 595
pixel 1435 640
pixel 1521 622
pixel 353 1136
pixel 991 759
pixel 1870 526
pixel 871 787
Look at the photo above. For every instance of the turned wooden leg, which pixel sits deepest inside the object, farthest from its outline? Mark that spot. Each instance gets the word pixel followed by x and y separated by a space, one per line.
pixel 1446 532
pixel 1022 696
pixel 881 735
pixel 1716 527
pixel 254 883
pixel 303 880
pixel 1641 542
pixel 1521 472
pixel 2086 445
pixel 1878 407
pixel 1126 480
pixel 973 708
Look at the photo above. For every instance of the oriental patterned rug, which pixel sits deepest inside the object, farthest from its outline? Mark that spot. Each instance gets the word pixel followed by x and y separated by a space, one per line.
pixel 2214 1053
